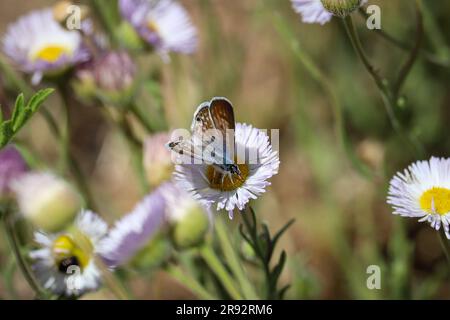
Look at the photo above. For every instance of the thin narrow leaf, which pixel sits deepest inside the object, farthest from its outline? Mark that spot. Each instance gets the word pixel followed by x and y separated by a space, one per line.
pixel 18 107
pixel 37 100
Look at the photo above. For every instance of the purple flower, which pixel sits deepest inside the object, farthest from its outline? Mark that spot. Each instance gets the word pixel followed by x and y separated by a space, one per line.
pixel 134 230
pixel 12 165
pixel 164 24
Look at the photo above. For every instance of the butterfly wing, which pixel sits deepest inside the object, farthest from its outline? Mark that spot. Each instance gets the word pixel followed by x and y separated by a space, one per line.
pixel 222 115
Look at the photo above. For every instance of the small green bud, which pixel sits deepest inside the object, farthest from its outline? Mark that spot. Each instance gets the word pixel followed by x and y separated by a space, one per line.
pixel 191 229
pixel 341 8
pixel 47 201
pixel 152 255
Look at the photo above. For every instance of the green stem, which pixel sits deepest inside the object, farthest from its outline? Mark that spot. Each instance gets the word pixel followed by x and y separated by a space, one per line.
pixel 386 93
pixel 430 57
pixel 251 225
pixel 15 247
pixel 317 75
pixel 407 67
pixel 133 143
pixel 191 283
pixel 68 159
pixel 445 245
pixel 233 260
pixel 219 270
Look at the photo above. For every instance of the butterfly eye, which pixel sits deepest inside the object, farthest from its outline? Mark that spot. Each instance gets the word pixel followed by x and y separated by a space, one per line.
pixel 198 119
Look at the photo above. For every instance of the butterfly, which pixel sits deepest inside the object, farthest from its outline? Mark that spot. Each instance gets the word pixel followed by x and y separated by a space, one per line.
pixel 212 137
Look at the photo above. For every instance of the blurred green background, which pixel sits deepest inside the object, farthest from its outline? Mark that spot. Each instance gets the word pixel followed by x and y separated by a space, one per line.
pixel 249 52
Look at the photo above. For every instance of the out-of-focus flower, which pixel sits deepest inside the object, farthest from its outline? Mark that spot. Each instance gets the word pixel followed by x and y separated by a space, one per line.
pixel 65 262
pixel 164 24
pixel 423 191
pixel 134 230
pixel 40 46
pixel 211 187
pixel 12 165
pixel 189 220
pixel 46 200
pixel 111 77
pixel 314 11
pixel 157 159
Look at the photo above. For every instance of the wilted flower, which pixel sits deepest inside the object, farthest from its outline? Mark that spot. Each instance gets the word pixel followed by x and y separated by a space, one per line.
pixel 134 230
pixel 321 11
pixel 65 262
pixel 164 24
pixel 189 221
pixel 46 200
pixel 12 165
pixel 157 159
pixel 211 187
pixel 423 191
pixel 40 46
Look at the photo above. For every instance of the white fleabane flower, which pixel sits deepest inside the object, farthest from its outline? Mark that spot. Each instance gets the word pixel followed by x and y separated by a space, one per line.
pixel 39 45
pixel 423 191
pixel 313 11
pixel 164 24
pixel 64 263
pixel 210 188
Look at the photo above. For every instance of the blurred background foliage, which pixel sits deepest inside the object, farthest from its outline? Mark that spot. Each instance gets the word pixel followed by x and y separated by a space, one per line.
pixel 249 53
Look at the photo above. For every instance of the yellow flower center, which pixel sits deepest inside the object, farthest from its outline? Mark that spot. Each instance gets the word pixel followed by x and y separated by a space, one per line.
pixel 436 200
pixel 152 26
pixel 51 53
pixel 67 253
pixel 219 181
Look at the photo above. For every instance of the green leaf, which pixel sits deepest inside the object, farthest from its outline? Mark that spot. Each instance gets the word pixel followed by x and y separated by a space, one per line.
pixel 37 100
pixel 6 133
pixel 18 107
pixel 1 114
pixel 21 119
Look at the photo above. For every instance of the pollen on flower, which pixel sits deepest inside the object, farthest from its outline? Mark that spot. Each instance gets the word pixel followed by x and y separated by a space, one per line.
pixel 224 182
pixel 51 53
pixel 436 200
pixel 67 253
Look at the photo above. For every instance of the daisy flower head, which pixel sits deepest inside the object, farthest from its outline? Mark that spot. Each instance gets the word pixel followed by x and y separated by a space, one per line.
pixel 134 230
pixel 65 262
pixel 257 163
pixel 423 191
pixel 40 46
pixel 318 11
pixel 164 24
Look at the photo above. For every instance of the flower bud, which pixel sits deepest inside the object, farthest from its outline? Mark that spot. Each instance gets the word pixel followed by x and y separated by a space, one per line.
pixel 114 75
pixel 12 165
pixel 158 163
pixel 341 8
pixel 47 201
pixel 153 254
pixel 189 221
pixel 110 77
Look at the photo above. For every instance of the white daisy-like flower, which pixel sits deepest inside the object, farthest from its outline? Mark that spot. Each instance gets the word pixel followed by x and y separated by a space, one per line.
pixel 225 192
pixel 423 191
pixel 164 24
pixel 39 45
pixel 65 262
pixel 134 230
pixel 313 11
